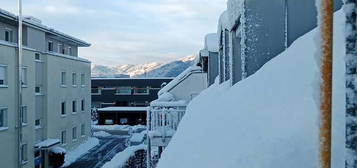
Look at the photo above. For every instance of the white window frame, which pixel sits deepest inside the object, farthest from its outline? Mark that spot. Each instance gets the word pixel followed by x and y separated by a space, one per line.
pixel 24 76
pixel 50 49
pixel 39 56
pixel 5 76
pixel 38 126
pixel 83 105
pixel 147 93
pixel 69 50
pixel 4 110
pixel 99 91
pixel 63 79
pixel 74 134
pixel 24 114
pixel 83 80
pixel 63 108
pixel 124 87
pixel 74 79
pixel 24 153
pixel 83 130
pixel 74 107
pixel 40 90
pixel 63 137
pixel 11 35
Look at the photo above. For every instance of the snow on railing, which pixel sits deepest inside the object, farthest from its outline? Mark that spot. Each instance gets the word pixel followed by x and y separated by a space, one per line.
pixel 164 120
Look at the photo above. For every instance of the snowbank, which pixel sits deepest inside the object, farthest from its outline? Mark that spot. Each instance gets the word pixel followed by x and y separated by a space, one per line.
pixel 101 134
pixel 138 137
pixel 82 149
pixel 119 160
pixel 269 120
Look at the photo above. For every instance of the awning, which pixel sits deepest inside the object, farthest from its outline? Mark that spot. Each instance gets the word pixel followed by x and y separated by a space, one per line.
pixel 47 143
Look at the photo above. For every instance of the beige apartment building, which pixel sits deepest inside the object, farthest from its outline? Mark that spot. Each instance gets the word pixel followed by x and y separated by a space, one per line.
pixel 56 94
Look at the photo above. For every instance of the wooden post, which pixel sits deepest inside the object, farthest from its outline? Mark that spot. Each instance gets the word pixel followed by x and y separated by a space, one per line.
pixel 326 28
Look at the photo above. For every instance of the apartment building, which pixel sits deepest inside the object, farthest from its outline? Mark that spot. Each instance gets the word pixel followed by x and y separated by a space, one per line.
pixel 55 94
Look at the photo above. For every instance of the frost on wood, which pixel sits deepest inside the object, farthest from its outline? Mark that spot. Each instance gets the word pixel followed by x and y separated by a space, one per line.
pixel 351 85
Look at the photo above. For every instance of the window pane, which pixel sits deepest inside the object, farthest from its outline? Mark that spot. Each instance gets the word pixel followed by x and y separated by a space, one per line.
pixel 2 75
pixel 63 137
pixel 124 90
pixel 141 90
pixel 63 78
pixel 24 76
pixel 82 79
pixel 82 129
pixel 63 108
pixel 2 118
pixel 74 79
pixel 24 114
pixel 82 105
pixel 74 106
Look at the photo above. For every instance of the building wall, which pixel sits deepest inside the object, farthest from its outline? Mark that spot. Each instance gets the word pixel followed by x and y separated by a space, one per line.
pixel 68 93
pixel 8 137
pixel 212 67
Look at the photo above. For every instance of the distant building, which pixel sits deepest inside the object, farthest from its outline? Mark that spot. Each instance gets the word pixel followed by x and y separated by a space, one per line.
pixel 56 94
pixel 126 93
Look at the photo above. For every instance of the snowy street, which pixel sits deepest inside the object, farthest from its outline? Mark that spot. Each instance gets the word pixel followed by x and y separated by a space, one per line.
pixel 109 146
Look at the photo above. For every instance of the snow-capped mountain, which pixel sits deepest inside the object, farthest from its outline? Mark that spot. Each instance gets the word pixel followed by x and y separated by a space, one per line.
pixel 154 69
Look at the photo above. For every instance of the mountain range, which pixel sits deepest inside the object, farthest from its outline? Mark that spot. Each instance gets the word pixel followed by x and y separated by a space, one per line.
pixel 153 69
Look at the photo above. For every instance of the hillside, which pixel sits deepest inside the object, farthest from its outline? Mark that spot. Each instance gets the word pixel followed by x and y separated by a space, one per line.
pixel 154 69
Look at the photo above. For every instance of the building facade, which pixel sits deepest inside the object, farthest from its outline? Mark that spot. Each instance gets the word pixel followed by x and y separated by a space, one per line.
pixel 252 32
pixel 126 92
pixel 55 110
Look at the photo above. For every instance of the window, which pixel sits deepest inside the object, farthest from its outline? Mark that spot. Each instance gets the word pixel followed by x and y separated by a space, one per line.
pixel 83 79
pixel 69 50
pixel 74 106
pixel 123 120
pixel 63 108
pixel 37 90
pixel 96 91
pixel 83 130
pixel 83 105
pixel 24 114
pixel 63 78
pixel 8 35
pixel 123 90
pixel 50 46
pixel 63 137
pixel 38 123
pixel 3 117
pixel 74 133
pixel 24 153
pixel 144 91
pixel 60 49
pixel 37 56
pixel 24 76
pixel 3 75
pixel 74 79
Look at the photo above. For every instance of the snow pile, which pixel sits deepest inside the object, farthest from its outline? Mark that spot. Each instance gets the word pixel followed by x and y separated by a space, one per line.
pixel 269 120
pixel 234 9
pixel 223 23
pixel 111 127
pixel 58 150
pixel 101 134
pixel 138 137
pixel 119 160
pixel 82 149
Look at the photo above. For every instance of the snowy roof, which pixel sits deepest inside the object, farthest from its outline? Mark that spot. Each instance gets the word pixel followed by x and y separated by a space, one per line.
pixel 178 79
pixel 47 143
pixel 35 23
pixel 222 23
pixel 151 78
pixel 123 109
pixel 211 42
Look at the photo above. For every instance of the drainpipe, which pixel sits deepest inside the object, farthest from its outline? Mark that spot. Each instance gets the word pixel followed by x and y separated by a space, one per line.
pixel 326 29
pixel 19 69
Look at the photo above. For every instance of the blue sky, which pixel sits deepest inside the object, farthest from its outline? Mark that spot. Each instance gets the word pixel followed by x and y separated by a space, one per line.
pixel 129 31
